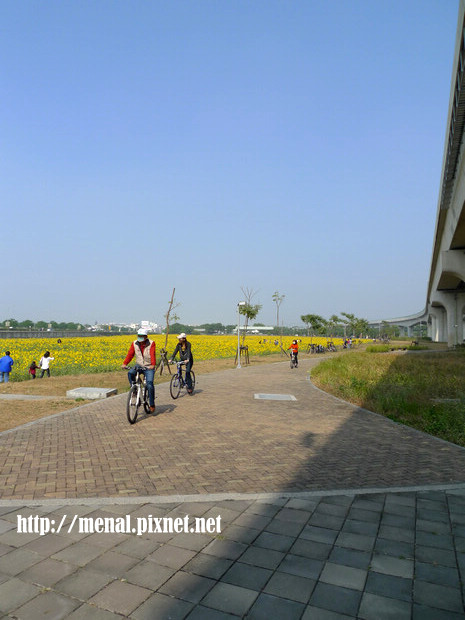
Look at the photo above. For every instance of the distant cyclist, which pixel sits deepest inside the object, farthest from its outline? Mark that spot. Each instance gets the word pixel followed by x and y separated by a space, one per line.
pixel 184 349
pixel 294 351
pixel 144 350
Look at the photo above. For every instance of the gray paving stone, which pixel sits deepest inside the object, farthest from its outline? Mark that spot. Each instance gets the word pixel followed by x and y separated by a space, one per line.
pixel 47 572
pixel 230 598
pixel 290 586
pixel 311 549
pixel 229 549
pixel 85 612
pixel 301 566
pixel 359 514
pixel 317 613
pixel 355 541
pixel 113 564
pixel 246 576
pixel 360 527
pixel 120 597
pixel 434 527
pixel 137 546
pixel 277 526
pixel 320 534
pixel 373 607
pixel 50 606
pixel 441 575
pixel 445 557
pixel 240 534
pixel 440 541
pixel 392 566
pixel 422 612
pixel 188 587
pixel 401 534
pixel 291 515
pixel 440 597
pixel 82 584
pixel 395 548
pixel 278 542
pixel 267 606
pixel 397 521
pixel 79 554
pixel 202 564
pixel 334 598
pixel 369 502
pixel 148 574
pixel 200 612
pixel 172 557
pixel 333 509
pixel 14 593
pixel 350 557
pixel 266 558
pixel 18 560
pixel 332 522
pixel 389 586
pixel 162 606
pixel 344 576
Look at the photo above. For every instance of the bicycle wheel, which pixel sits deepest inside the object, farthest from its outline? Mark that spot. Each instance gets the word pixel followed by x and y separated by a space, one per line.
pixel 193 381
pixel 132 404
pixel 175 386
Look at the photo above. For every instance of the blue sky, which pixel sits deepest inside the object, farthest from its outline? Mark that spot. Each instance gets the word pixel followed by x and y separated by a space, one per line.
pixel 210 145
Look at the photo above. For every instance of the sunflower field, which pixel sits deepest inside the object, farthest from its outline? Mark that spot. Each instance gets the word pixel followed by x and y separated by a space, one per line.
pixel 103 354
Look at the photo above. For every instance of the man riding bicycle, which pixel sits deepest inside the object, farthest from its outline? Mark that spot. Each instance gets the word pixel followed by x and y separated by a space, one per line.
pixel 143 349
pixel 185 353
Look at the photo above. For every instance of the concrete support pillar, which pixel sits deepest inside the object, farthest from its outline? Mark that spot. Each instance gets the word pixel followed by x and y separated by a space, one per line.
pixel 447 321
pixel 438 321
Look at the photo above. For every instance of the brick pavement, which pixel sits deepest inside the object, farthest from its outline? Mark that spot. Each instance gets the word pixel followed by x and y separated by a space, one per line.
pixel 221 440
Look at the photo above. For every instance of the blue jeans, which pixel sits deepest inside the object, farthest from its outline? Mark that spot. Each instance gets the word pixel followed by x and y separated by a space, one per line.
pixel 4 376
pixel 149 376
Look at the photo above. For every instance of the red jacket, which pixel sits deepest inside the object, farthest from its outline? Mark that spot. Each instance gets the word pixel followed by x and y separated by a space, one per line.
pixel 141 345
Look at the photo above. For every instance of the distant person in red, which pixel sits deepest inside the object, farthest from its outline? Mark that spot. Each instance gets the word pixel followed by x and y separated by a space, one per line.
pixel 144 350
pixel 294 350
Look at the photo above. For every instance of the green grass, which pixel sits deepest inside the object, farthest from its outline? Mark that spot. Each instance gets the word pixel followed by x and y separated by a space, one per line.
pixel 423 390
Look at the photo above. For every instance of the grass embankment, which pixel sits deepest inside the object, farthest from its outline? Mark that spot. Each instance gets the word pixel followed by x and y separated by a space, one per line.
pixel 423 390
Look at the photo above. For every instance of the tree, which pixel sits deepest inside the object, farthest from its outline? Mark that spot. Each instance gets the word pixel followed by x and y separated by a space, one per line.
pixel 248 309
pixel 333 323
pixel 313 321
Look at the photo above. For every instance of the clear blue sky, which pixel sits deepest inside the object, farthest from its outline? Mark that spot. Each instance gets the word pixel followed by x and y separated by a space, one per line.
pixel 210 145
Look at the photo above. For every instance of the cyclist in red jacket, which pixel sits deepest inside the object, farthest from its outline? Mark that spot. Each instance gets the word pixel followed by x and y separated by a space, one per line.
pixel 294 351
pixel 144 350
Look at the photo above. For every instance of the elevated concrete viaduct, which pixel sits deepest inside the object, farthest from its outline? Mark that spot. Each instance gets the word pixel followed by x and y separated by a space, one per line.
pixel 445 302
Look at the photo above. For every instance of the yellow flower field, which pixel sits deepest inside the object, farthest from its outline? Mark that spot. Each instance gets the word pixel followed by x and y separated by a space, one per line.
pixel 102 354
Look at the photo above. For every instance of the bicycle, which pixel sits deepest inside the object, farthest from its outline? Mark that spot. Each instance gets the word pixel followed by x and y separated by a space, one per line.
pixel 178 381
pixel 138 397
pixel 293 361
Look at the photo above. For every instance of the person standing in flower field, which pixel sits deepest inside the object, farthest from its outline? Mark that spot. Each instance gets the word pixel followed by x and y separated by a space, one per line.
pixel 6 364
pixel 44 364
pixel 184 349
pixel 144 350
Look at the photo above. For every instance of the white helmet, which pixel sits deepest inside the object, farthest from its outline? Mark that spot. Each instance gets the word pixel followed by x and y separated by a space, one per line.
pixel 142 332
pixel 183 335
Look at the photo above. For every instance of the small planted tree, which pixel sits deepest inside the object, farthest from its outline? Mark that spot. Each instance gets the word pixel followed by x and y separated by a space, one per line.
pixel 248 309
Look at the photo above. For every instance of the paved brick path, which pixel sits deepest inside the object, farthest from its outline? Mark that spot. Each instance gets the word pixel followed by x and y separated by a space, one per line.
pixel 221 440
